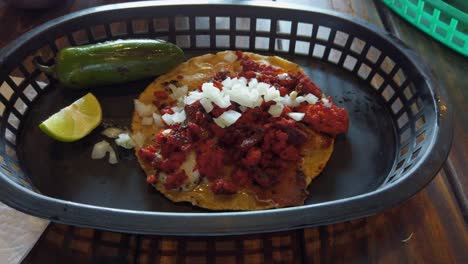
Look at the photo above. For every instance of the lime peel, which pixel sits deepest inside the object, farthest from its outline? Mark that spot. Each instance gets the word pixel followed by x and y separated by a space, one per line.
pixel 74 121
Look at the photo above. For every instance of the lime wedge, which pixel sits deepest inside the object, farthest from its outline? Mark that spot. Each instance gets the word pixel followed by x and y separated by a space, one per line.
pixel 74 121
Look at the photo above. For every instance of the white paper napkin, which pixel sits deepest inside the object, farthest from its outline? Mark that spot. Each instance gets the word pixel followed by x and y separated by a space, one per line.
pixel 18 234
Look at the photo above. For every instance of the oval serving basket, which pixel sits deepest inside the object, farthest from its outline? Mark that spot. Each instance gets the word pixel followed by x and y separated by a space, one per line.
pixel 400 124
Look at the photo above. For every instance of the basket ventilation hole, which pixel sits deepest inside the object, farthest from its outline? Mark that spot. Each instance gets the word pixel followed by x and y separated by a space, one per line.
pixel 407 168
pixel 6 91
pixel 42 80
pixel 357 45
pixel 350 62
pixel 415 108
pixel 319 50
pixel 458 41
pixel 420 123
pixel 398 4
pixel 411 13
pixel 283 27
pixel 377 81
pixel 183 41
pixel 222 23
pixel 373 54
pixel 242 42
pixel 222 41
pixel 80 37
pixel 20 106
pixel 340 38
pixel 364 71
pixel 10 136
pixel 424 21
pixel 400 164
pixel 404 150
pixel 202 41
pixel 6 170
pixel 441 31
pixel 99 32
pixel 46 53
pixel 201 23
pixel 323 33
pixel 388 92
pixel 2 108
pixel 404 136
pixel 17 76
pixel 302 47
pixel 420 138
pixel 262 43
pixel 397 105
pixel 304 29
pixel 262 24
pixel 140 26
pixel 415 154
pixel 399 77
pixel 161 24
pixel 391 179
pixel 118 29
pixel 282 45
pixel 10 151
pixel 334 56
pixel 181 23
pixel 387 65
pixel 243 24
pixel 62 42
pixel 403 120
pixel 13 120
pixel 408 92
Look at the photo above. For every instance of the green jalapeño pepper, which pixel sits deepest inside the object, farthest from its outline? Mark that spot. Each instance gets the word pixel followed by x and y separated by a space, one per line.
pixel 113 62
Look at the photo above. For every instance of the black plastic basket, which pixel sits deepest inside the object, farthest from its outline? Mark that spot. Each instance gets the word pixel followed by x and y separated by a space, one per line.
pixel 400 134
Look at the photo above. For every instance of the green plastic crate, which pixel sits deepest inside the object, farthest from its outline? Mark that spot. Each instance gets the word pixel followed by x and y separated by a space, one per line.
pixel 446 21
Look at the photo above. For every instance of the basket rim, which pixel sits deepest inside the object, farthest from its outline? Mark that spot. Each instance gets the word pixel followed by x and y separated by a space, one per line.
pixel 170 223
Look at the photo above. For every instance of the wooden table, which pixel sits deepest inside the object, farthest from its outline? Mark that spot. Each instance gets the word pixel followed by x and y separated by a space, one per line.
pixel 428 228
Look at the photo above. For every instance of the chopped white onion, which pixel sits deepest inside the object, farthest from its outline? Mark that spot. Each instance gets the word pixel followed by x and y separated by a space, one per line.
pixel 286 100
pixel 300 99
pixel 177 109
pixel 192 97
pixel 282 76
pixel 158 120
pixel 296 116
pixel 230 57
pixel 326 102
pixel 144 109
pixel 227 118
pixel 147 121
pixel 177 117
pixel 125 141
pixel 276 110
pixel 271 94
pixel 166 132
pixel 112 156
pixel 311 99
pixel 111 132
pixel 101 148
pixel 215 95
pixel 207 105
pixel 139 139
